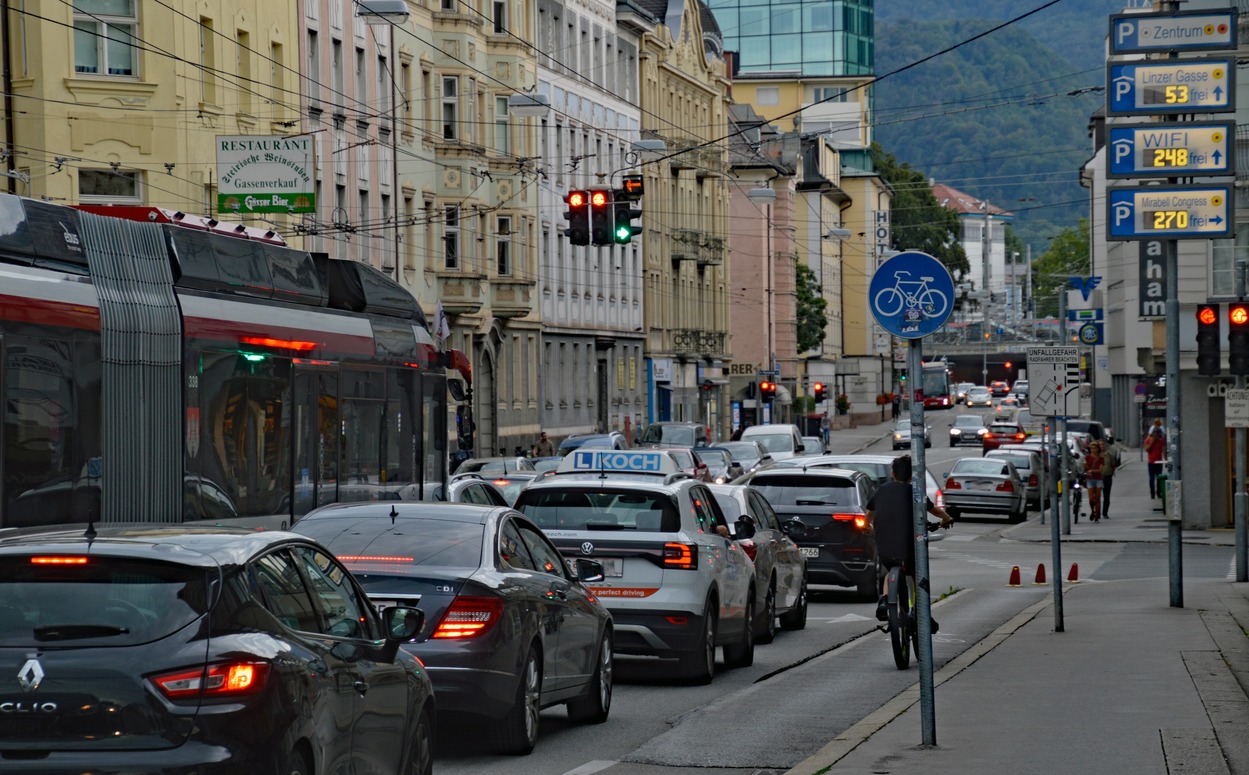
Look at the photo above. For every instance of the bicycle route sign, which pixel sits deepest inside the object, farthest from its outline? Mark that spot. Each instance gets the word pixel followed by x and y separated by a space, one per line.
pixel 911 295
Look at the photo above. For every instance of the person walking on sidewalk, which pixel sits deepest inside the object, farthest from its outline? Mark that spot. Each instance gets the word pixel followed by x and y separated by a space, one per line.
pixel 826 428
pixel 1111 464
pixel 1156 455
pixel 1094 462
pixel 544 447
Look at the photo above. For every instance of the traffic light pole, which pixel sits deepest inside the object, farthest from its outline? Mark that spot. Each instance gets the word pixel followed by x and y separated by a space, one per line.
pixel 1174 495
pixel 1240 498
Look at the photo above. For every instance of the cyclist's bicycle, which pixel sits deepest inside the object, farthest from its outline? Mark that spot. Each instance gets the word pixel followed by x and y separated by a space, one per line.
pixel 899 601
pixel 911 293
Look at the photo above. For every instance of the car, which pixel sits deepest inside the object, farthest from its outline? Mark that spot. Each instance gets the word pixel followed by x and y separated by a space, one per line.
pixel 512 628
pixel 751 455
pixel 812 445
pixel 494 465
pixel 1020 390
pixel 961 389
pixel 688 462
pixel 824 511
pixel 967 429
pixel 613 440
pixel 1095 430
pixel 1008 406
pixel 1029 467
pixel 985 485
pixel 1032 424
pixel 548 463
pixel 780 570
pixel 901 435
pixel 195 648
pixel 780 440
pixel 999 433
pixel 979 396
pixel 999 388
pixel 512 483
pixel 721 466
pixel 677 585
pixel 470 487
pixel 675 434
pixel 878 467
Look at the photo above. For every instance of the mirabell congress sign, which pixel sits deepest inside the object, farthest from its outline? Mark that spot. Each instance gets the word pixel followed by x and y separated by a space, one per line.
pixel 265 174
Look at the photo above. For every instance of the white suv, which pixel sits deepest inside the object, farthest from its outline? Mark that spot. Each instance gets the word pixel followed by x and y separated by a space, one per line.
pixel 676 584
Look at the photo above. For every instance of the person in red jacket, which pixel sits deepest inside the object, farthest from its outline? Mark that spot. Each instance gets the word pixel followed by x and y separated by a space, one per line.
pixel 1155 454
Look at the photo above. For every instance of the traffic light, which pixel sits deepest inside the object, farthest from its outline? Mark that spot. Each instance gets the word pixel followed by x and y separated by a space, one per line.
pixel 600 218
pixel 767 390
pixel 623 215
pixel 1209 341
pixel 1007 364
pixel 818 388
pixel 1237 339
pixel 578 215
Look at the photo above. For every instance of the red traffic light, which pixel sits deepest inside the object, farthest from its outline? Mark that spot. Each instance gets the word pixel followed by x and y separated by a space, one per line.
pixel 598 198
pixel 819 387
pixel 1238 314
pixel 1207 315
pixel 1008 364
pixel 576 199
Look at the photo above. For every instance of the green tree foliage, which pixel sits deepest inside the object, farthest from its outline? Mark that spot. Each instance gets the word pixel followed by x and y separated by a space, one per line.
pixel 918 221
pixel 811 304
pixel 1067 256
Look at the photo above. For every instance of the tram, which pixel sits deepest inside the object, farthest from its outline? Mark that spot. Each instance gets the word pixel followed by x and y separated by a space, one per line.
pixel 158 367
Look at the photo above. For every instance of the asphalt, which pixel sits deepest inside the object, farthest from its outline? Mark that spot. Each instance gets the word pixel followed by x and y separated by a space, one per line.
pixel 1131 684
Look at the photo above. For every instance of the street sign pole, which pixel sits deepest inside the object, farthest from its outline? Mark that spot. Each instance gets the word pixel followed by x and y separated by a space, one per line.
pixel 1064 450
pixel 1241 497
pixel 919 514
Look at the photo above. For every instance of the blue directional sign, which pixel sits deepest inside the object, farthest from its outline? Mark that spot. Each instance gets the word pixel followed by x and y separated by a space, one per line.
pixel 1181 31
pixel 1171 150
pixel 1091 333
pixel 911 294
pixel 1168 212
pixel 1171 87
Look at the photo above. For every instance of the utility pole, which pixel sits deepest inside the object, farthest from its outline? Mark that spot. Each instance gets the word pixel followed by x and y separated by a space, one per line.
pixel 1062 421
pixel 1031 308
pixel 1240 498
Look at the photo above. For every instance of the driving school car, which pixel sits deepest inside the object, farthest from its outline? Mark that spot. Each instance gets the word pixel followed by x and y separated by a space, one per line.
pixel 675 583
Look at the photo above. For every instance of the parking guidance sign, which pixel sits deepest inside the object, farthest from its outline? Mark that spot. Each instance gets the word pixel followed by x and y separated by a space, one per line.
pixel 1183 31
pixel 1171 87
pixel 1171 150
pixel 1168 212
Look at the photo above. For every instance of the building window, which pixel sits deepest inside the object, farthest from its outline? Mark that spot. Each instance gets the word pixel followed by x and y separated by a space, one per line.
pixel 451 236
pixel 110 186
pixel 832 94
pixel 1224 255
pixel 336 71
pixel 500 16
pixel 502 139
pixel 768 95
pixel 450 105
pixel 362 214
pixel 104 35
pixel 314 65
pixel 384 81
pixel 362 81
pixel 448 5
pixel 277 73
pixel 503 245
pixel 243 66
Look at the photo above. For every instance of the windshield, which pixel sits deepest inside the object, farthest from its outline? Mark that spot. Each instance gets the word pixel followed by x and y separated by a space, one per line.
pixel 600 509
pixel 673 435
pixel 968 421
pixel 801 490
pixel 936 382
pixel 742 450
pixel 775 442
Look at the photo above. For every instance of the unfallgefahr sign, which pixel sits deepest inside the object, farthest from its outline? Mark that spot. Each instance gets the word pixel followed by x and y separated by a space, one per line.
pixel 263 174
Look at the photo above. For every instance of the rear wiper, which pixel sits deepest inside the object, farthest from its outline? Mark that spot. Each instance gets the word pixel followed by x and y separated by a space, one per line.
pixel 73 631
pixel 811 503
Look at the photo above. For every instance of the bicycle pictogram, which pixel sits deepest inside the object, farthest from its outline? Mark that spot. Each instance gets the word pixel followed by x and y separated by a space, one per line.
pixel 911 295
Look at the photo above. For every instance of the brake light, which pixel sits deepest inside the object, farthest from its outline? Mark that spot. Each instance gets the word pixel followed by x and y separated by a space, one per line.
pixel 58 560
pixel 1021 436
pixel 468 617
pixel 859 520
pixel 1006 487
pixel 951 484
pixel 940 499
pixel 748 547
pixel 236 679
pixel 682 556
pixel 1032 480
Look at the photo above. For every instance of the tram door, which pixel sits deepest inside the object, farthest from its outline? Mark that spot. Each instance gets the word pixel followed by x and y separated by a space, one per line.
pixel 316 435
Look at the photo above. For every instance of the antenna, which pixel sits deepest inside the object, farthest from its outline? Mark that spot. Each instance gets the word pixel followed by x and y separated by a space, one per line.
pixel 393 513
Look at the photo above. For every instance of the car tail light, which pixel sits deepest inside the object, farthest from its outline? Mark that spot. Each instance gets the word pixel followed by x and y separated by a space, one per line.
pixel 1021 436
pixel 1006 487
pixel 940 499
pixel 58 560
pixel 748 547
pixel 233 679
pixel 951 484
pixel 859 520
pixel 468 617
pixel 1032 480
pixel 682 556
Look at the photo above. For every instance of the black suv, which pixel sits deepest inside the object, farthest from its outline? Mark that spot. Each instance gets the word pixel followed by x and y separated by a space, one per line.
pixel 824 511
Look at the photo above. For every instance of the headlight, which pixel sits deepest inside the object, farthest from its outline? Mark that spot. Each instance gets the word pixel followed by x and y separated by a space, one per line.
pixel 722 480
pixel 897 437
pixel 955 432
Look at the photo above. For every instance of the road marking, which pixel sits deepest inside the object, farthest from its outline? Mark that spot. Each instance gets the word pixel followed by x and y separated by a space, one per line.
pixel 842 619
pixel 589 768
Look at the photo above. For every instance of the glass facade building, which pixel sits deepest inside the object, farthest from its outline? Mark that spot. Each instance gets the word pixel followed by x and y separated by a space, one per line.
pixel 816 38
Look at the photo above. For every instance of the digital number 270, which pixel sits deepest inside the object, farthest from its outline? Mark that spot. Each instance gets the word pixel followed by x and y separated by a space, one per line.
pixel 1171 219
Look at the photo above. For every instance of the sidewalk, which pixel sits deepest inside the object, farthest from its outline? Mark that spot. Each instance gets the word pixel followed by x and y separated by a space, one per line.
pixel 1131 685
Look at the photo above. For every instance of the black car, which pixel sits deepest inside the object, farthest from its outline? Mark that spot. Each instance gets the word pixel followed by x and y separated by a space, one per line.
pixel 675 434
pixel 721 466
pixel 201 649
pixel 511 630
pixel 824 511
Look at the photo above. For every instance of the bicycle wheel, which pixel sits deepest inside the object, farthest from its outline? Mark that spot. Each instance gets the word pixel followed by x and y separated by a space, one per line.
pixel 900 626
pixel 889 302
pixel 933 302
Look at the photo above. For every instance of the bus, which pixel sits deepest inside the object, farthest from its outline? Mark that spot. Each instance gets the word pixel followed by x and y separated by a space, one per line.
pixel 935 385
pixel 156 367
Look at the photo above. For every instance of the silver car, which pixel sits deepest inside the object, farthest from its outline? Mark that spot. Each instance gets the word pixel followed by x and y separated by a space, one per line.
pixel 985 485
pixel 902 435
pixel 1029 467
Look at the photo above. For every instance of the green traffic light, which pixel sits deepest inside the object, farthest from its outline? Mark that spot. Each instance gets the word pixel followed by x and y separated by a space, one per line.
pixel 623 234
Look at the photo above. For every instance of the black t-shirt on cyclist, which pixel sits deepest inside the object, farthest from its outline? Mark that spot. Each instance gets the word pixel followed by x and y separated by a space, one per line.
pixel 894 522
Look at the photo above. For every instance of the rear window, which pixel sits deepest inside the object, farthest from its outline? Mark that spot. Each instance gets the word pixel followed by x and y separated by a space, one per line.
pixel 605 509
pixel 782 491
pixel 983 466
pixel 775 442
pixel 443 543
pixel 1004 429
pixel 672 435
pixel 879 472
pixel 713 458
pixel 108 601
pixel 1019 461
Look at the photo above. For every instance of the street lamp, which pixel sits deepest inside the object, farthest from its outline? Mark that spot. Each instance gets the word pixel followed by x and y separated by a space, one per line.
pixel 379 12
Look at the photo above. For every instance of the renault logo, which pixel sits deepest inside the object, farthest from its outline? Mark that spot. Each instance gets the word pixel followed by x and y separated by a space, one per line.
pixel 587 548
pixel 30 676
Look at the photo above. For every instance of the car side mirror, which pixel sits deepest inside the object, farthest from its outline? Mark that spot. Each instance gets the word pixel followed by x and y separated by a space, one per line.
pixel 744 528
pixel 589 571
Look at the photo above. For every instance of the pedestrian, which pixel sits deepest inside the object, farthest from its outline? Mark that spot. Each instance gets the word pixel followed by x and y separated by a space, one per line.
pixel 544 447
pixel 1094 462
pixel 1155 455
pixel 897 405
pixel 826 428
pixel 1112 462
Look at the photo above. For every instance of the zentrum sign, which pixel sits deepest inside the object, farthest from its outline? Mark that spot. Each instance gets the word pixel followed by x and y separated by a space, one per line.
pixel 263 174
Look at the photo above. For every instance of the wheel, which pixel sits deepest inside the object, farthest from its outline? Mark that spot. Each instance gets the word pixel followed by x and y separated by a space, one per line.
pixel 297 764
pixel 796 617
pixel 1021 515
pixel 699 665
pixel 927 443
pixel 742 653
pixel 518 731
pixel 900 626
pixel 953 443
pixel 593 708
pixel 768 633
pixel 889 302
pixel 933 302
pixel 421 748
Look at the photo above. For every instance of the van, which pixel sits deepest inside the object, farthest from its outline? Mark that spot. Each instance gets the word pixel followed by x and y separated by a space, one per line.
pixel 781 441
pixel 1095 430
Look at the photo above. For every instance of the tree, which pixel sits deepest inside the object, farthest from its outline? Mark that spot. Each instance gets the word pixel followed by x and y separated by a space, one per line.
pixel 1067 256
pixel 811 304
pixel 918 221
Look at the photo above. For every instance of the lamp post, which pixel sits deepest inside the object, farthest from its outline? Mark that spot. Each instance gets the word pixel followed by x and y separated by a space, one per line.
pixel 765 195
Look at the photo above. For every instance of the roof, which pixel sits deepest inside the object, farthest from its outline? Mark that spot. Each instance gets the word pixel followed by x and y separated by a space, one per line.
pixel 196 545
pixel 965 204
pixel 381 511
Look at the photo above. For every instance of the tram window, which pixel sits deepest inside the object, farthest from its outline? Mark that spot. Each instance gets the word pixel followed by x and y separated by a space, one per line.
pixel 242 267
pixel 294 275
pixel 362 409
pixel 400 429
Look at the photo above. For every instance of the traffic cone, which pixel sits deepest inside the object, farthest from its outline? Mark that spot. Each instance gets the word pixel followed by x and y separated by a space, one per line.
pixel 1014 577
pixel 1074 575
pixel 1040 574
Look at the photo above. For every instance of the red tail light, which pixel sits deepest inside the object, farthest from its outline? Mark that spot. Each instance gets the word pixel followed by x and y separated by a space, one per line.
pixel 859 520
pixel 468 617
pixel 1006 487
pixel 236 679
pixel 950 484
pixel 1032 480
pixel 58 560
pixel 748 547
pixel 683 556
pixel 940 499
pixel 1021 436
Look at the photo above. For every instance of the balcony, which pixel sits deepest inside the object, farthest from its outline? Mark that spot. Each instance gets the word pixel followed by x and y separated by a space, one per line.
pixel 697 246
pixel 683 161
pixel 710 161
pixel 510 298
pixel 696 341
pixel 461 293
pixel 712 252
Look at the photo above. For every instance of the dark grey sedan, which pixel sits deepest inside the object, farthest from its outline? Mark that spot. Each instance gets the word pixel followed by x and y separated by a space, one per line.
pixel 511 630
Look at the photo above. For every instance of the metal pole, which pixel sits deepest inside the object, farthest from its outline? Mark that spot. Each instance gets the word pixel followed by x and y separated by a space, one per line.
pixel 919 500
pixel 1061 421
pixel 1030 310
pixel 1174 490
pixel 1240 497
pixel 1056 545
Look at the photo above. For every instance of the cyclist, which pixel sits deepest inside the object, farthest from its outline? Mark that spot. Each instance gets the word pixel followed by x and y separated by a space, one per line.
pixel 890 512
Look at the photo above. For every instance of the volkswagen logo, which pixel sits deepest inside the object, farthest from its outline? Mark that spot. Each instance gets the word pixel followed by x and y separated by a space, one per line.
pixel 587 548
pixel 30 676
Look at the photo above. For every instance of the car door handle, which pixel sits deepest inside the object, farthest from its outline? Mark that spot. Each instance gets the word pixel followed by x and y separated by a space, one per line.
pixel 361 686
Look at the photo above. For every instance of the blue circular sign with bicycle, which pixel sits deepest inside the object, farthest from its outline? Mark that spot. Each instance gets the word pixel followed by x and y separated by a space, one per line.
pixel 911 295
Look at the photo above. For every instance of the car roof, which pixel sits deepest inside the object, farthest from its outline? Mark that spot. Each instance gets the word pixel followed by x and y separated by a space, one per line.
pixel 453 512
pixel 670 485
pixel 198 545
pixel 805 470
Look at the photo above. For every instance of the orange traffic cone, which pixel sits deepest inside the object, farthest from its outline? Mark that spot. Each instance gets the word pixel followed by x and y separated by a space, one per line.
pixel 1074 575
pixel 1014 577
pixel 1040 574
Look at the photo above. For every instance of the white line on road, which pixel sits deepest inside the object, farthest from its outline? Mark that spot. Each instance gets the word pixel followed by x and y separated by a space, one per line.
pixel 589 768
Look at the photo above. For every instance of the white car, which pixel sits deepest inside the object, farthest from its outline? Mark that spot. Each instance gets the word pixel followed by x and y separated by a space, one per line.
pixel 676 583
pixel 781 441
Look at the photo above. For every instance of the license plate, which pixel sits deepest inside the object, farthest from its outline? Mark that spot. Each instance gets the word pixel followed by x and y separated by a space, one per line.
pixel 810 551
pixel 613 567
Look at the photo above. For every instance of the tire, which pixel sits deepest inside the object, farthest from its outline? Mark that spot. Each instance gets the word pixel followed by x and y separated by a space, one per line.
pixel 768 633
pixel 899 628
pixel 953 444
pixel 517 733
pixel 796 617
pixel 891 297
pixel 297 764
pixel 742 653
pixel 1021 515
pixel 596 704
pixel 421 747
pixel 699 665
